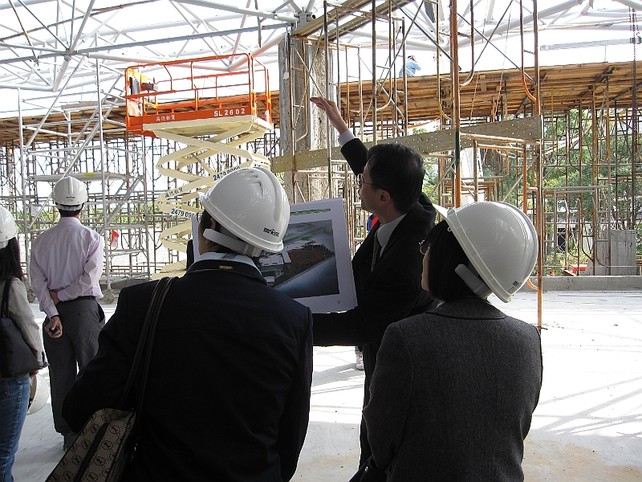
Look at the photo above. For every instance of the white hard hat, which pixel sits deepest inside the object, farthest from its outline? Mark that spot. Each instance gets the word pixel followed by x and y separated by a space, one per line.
pixel 252 206
pixel 69 194
pixel 8 227
pixel 38 393
pixel 500 242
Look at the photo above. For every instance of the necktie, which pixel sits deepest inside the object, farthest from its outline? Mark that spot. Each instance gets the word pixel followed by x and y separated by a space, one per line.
pixel 376 248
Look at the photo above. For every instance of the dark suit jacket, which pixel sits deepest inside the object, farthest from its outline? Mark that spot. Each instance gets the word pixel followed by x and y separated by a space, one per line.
pixel 390 292
pixel 453 394
pixel 228 395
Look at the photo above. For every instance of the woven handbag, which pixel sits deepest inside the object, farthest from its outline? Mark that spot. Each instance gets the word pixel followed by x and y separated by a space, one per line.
pixel 16 357
pixel 107 441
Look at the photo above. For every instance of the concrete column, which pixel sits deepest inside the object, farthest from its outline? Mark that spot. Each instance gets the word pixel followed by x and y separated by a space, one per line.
pixel 303 74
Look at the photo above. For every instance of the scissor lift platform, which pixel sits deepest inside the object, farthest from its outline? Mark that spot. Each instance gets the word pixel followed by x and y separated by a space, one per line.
pixel 182 93
pixel 246 124
pixel 210 108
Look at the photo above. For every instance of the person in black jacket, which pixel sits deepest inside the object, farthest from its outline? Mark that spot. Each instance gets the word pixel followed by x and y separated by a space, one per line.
pixel 388 282
pixel 455 388
pixel 228 394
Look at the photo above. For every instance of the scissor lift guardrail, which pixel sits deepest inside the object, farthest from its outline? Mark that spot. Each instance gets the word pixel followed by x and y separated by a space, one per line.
pixel 214 111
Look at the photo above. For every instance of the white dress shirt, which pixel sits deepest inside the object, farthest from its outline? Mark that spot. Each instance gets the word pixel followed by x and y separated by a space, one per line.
pixel 385 231
pixel 67 258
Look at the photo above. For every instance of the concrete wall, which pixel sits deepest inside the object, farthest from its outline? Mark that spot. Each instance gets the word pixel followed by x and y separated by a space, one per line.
pixel 551 283
pixel 589 283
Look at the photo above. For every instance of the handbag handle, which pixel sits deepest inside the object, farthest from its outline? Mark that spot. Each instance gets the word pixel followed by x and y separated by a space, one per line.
pixel 4 309
pixel 146 341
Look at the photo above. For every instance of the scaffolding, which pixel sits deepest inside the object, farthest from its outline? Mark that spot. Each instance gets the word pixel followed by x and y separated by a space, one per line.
pixel 146 149
pixel 143 181
pixel 375 102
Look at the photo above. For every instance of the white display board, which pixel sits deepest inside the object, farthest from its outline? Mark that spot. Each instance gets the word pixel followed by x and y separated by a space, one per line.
pixel 315 266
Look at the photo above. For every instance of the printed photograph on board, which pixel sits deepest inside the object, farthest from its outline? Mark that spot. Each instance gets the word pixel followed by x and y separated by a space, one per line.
pixel 314 267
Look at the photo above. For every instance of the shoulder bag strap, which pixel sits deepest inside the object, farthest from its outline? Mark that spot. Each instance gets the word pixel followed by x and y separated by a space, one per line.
pixel 146 341
pixel 4 309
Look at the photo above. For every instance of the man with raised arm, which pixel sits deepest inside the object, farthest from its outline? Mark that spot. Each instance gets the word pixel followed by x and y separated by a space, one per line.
pixel 387 266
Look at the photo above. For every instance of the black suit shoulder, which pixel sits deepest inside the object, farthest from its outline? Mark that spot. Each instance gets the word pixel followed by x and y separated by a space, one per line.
pixel 421 218
pixel 356 153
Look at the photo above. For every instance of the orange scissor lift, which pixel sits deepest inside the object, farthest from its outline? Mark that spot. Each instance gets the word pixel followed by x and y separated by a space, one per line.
pixel 213 105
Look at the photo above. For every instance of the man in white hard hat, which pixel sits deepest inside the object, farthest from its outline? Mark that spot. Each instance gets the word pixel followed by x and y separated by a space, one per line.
pixel 228 390
pixel 66 265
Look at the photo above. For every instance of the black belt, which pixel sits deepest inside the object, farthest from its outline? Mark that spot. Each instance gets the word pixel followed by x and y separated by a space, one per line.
pixel 85 298
pixel 80 298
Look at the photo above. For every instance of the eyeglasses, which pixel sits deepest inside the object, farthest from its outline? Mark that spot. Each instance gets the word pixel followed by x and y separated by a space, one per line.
pixel 361 182
pixel 424 247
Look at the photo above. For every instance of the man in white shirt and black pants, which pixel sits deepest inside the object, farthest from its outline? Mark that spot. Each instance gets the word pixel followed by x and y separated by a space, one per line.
pixel 66 265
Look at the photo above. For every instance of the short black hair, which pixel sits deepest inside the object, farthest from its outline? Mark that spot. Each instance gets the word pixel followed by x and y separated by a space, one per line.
pixel 399 170
pixel 10 261
pixel 444 255
pixel 68 214
pixel 204 223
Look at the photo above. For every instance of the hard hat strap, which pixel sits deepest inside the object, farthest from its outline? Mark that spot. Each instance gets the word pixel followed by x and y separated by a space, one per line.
pixel 233 243
pixel 473 281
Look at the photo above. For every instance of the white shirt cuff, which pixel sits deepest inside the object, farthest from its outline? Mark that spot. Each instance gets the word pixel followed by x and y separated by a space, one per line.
pixel 345 137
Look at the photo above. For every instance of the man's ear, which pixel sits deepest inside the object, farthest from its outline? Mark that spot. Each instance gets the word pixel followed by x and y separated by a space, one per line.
pixel 384 196
pixel 212 223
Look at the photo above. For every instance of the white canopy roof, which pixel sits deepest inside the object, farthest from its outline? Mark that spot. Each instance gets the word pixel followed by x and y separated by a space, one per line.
pixel 52 48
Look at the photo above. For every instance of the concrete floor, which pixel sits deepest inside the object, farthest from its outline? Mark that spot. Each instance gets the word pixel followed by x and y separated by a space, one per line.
pixel 587 426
